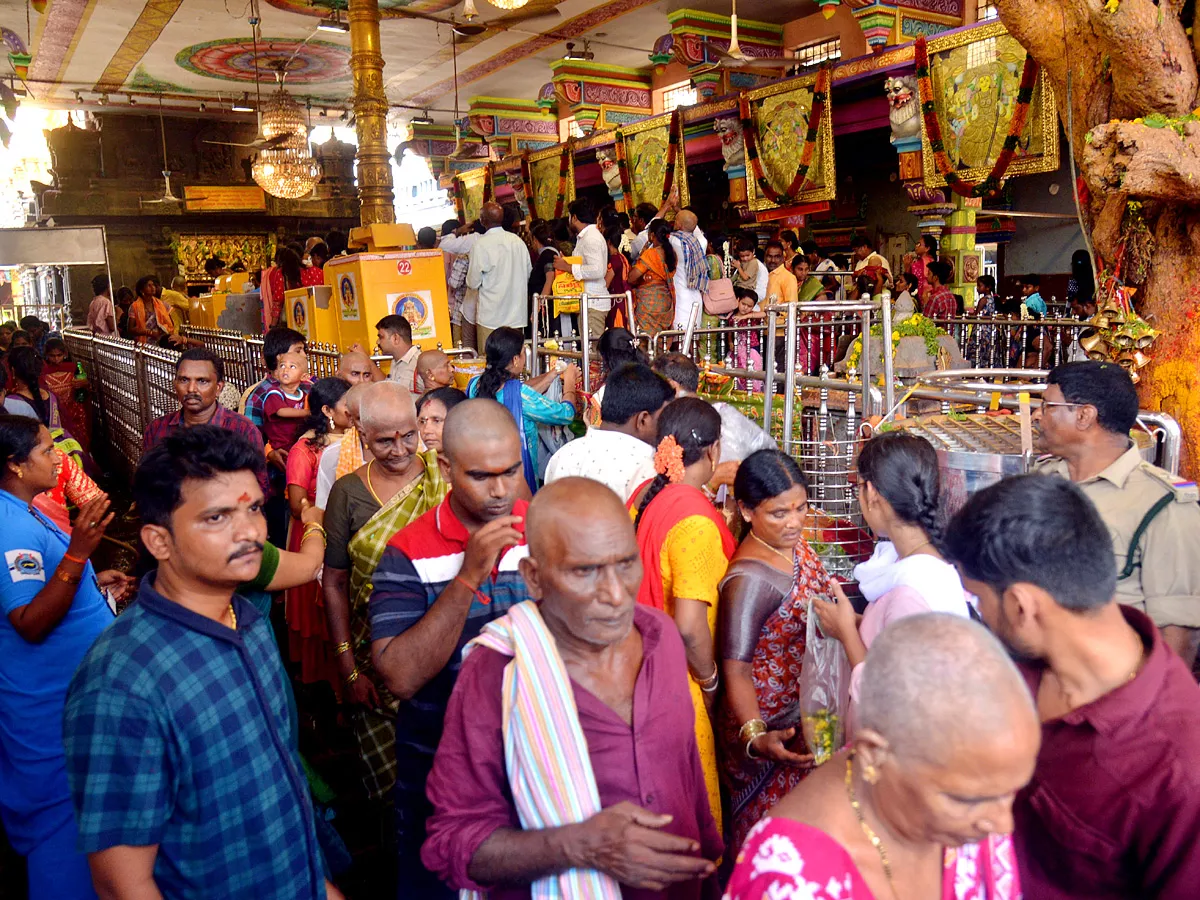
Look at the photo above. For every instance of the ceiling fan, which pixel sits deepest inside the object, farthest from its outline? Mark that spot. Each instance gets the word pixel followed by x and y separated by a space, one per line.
pixel 470 25
pixel 168 196
pixel 260 144
pixel 734 58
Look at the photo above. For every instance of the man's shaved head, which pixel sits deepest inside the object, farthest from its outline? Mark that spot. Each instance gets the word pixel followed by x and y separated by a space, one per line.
pixel 434 368
pixel 354 367
pixel 686 220
pixel 558 509
pixel 933 683
pixel 584 566
pixel 474 422
pixel 491 215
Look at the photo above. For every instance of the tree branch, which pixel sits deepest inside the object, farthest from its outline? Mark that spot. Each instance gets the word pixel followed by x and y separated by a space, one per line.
pixel 1144 162
pixel 1153 68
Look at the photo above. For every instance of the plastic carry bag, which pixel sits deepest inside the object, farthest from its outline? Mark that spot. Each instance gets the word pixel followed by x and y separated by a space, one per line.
pixel 824 691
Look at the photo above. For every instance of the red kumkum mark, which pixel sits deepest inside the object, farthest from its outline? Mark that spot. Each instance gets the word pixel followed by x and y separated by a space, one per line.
pixel 245 498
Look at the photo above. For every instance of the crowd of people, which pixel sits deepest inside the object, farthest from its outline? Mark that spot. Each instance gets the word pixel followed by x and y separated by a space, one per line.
pixel 573 638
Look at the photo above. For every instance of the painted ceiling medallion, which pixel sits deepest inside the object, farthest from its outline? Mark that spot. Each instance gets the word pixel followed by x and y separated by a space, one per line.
pixel 232 59
pixel 322 8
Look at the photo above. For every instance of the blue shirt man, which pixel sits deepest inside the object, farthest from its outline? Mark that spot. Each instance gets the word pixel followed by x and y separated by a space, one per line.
pixel 179 734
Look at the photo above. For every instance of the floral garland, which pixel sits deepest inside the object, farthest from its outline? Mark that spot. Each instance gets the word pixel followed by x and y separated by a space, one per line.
pixel 489 183
pixel 526 184
pixel 933 127
pixel 750 138
pixel 564 166
pixel 675 137
pixel 623 171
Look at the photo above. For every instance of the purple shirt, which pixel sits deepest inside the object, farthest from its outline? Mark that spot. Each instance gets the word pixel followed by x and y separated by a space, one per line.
pixel 1113 810
pixel 223 418
pixel 653 763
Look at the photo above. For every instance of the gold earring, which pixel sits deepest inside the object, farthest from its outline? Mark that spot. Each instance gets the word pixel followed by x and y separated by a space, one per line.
pixel 20 473
pixel 870 774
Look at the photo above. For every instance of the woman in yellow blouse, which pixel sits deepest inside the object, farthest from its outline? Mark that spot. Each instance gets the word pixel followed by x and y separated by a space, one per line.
pixel 685 547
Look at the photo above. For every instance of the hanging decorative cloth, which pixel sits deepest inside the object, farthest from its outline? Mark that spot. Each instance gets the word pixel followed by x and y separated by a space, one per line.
pixel 489 182
pixel 675 137
pixel 800 183
pixel 564 168
pixel 933 127
pixel 623 171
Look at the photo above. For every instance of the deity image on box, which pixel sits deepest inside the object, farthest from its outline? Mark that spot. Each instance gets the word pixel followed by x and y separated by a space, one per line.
pixel 299 319
pixel 348 292
pixel 417 308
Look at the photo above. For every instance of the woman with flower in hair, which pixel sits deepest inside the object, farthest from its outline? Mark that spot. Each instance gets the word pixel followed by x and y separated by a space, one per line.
pixel 685 548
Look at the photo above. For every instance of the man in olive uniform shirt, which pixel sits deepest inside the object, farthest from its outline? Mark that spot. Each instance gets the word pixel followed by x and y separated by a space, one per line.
pixel 1085 419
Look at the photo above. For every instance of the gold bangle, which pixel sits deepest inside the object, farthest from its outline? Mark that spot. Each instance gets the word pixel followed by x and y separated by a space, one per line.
pixel 752 729
pixel 311 529
pixel 709 684
pixel 343 647
pixel 352 677
pixel 750 747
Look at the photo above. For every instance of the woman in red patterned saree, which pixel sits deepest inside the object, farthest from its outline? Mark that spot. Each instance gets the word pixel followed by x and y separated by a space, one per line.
pixel 764 598
pixel 58 377
pixel 920 806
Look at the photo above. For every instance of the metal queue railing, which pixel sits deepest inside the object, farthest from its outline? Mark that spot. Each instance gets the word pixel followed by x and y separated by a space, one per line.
pixel 577 347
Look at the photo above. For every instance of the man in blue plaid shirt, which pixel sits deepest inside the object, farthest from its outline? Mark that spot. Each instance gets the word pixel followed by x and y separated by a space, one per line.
pixel 179 735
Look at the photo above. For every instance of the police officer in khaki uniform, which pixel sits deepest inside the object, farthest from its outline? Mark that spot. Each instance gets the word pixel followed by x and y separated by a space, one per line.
pixel 1084 422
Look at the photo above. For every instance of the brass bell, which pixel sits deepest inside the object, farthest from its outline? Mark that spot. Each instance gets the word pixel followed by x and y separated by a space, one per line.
pixel 1090 340
pixel 1098 355
pixel 1140 359
pixel 1145 340
pixel 1134 376
pixel 1121 340
pixel 1100 321
pixel 1126 360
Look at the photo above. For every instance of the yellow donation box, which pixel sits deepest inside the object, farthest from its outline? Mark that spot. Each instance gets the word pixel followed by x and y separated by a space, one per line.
pixel 310 310
pixel 409 283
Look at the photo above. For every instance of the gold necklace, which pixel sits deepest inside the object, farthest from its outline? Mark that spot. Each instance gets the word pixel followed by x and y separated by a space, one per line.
pixel 369 486
pixel 232 617
pixel 791 560
pixel 924 543
pixel 867 829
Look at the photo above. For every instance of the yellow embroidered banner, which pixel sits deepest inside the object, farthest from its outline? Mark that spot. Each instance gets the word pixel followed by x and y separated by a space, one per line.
pixel 544 171
pixel 781 118
pixel 470 186
pixel 646 146
pixel 975 77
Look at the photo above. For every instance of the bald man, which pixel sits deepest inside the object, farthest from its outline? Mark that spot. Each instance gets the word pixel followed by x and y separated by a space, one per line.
pixel 366 507
pixel 691 274
pixel 440 580
pixel 499 271
pixel 434 371
pixel 356 367
pixel 652 833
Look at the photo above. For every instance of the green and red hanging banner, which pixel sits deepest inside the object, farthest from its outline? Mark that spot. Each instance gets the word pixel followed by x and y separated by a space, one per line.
pixel 933 127
pixel 800 183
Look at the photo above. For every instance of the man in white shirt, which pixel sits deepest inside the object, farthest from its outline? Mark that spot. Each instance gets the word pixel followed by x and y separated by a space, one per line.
pixel 395 339
pixel 499 271
pixel 620 451
pixel 687 296
pixel 592 248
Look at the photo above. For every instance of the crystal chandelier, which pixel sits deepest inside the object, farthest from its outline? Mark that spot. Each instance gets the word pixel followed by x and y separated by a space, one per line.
pixel 286 169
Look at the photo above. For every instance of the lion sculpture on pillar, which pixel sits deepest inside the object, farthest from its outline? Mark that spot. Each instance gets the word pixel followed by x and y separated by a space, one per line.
pixel 904 111
pixel 733 147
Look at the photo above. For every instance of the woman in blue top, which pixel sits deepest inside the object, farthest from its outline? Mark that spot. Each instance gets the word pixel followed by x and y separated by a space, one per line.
pixel 54 609
pixel 505 352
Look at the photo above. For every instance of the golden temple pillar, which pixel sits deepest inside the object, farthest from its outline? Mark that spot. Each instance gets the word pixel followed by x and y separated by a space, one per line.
pixel 370 112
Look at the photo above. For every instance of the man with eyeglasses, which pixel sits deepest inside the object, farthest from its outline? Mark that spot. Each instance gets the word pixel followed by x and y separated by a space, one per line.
pixel 1084 422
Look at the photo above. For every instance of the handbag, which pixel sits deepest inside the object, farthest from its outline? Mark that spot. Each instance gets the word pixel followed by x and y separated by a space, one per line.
pixel 720 298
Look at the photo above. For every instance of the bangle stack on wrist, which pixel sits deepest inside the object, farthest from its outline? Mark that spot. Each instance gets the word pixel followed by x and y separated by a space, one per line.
pixel 749 733
pixel 343 647
pixel 710 684
pixel 352 677
pixel 313 528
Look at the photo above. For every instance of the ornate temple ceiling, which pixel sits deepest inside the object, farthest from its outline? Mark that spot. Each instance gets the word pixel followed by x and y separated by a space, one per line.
pixel 203 48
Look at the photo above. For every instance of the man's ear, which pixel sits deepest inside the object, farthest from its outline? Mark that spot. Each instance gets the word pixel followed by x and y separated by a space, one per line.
pixel 158 541
pixel 529 571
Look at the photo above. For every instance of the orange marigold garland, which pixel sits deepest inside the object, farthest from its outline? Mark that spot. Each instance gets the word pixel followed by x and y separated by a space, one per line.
pixel 800 183
pixel 668 459
pixel 933 128
pixel 674 138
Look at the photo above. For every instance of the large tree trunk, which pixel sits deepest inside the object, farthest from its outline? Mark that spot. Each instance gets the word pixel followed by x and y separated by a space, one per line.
pixel 1126 61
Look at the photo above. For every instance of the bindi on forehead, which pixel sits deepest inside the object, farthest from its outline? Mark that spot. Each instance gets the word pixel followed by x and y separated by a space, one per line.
pixel 245 498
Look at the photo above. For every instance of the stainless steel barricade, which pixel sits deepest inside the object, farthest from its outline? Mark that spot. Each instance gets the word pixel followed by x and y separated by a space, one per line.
pixel 583 341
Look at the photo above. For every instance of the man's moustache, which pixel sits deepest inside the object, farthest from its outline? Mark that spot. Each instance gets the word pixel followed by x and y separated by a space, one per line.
pixel 246 551
pixel 195 397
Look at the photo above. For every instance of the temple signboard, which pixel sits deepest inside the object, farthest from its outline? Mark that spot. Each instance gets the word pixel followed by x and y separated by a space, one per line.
pixel 225 198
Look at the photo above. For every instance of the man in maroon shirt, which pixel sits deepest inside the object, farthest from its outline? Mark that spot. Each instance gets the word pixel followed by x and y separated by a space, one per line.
pixel 1113 810
pixel 655 834
pixel 941 303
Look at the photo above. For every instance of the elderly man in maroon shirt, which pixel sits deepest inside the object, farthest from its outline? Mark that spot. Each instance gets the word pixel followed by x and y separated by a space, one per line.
pixel 1113 810
pixel 653 832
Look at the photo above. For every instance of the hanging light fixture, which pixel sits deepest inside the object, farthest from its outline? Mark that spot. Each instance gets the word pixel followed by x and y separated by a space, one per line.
pixel 509 4
pixel 288 169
